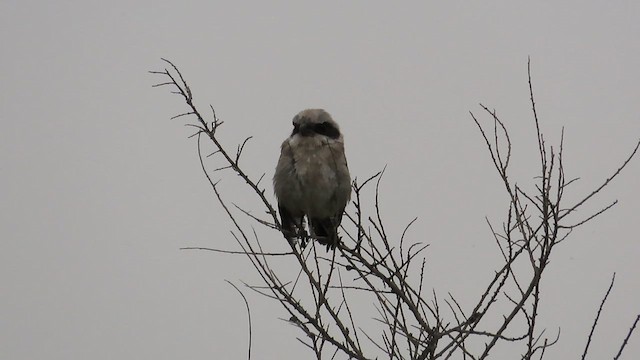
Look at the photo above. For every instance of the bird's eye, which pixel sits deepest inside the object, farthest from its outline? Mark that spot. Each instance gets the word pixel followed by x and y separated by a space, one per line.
pixel 327 129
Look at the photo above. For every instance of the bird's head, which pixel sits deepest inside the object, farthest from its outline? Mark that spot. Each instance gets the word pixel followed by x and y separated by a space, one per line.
pixel 313 122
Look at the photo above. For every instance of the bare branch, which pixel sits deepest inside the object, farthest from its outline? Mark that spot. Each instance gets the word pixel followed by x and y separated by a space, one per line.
pixel 390 270
pixel 604 184
pixel 626 339
pixel 246 303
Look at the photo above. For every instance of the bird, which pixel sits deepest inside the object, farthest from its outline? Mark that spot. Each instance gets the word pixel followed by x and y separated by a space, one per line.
pixel 312 179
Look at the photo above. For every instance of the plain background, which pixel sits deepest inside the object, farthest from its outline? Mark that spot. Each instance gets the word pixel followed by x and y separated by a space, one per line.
pixel 99 189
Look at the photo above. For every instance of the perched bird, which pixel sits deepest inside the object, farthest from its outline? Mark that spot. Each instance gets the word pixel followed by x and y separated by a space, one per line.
pixel 312 178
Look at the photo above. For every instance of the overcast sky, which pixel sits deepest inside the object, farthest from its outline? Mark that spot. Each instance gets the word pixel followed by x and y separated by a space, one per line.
pixel 99 189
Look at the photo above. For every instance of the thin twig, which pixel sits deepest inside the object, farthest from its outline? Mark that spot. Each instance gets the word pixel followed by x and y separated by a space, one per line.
pixel 246 303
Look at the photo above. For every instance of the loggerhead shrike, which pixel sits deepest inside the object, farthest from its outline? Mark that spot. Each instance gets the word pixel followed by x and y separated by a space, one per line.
pixel 312 178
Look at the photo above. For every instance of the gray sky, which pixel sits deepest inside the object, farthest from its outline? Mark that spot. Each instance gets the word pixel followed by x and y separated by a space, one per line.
pixel 100 189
